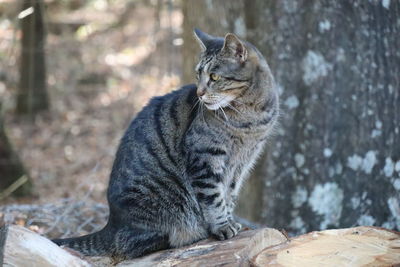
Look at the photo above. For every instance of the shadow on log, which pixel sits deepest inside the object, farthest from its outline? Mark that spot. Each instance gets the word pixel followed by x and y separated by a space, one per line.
pixel 359 246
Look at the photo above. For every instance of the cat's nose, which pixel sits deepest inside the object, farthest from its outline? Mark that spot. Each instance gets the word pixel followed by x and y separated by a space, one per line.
pixel 201 92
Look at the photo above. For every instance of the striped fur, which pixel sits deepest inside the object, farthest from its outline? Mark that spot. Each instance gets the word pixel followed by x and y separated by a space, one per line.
pixel 183 159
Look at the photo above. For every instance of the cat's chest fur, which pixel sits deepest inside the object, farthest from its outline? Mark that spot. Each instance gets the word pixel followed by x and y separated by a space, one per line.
pixel 246 149
pixel 241 149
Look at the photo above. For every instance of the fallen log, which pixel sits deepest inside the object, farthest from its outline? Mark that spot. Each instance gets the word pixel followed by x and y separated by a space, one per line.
pixel 22 247
pixel 233 252
pixel 359 246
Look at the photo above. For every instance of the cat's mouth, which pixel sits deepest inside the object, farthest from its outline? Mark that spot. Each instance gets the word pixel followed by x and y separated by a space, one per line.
pixel 214 104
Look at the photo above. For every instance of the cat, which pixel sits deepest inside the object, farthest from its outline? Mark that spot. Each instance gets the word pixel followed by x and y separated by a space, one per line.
pixel 181 163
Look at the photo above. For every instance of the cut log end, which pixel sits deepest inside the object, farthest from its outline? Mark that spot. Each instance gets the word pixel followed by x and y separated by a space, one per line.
pixel 360 246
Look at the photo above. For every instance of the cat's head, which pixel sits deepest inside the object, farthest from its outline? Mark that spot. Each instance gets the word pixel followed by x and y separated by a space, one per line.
pixel 225 70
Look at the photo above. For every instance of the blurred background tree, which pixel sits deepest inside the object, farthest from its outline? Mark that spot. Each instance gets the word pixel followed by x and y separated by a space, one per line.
pixel 14 179
pixel 335 160
pixel 32 95
pixel 32 92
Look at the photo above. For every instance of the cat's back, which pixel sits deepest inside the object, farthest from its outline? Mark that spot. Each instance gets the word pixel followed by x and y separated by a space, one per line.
pixel 166 114
pixel 154 136
pixel 146 179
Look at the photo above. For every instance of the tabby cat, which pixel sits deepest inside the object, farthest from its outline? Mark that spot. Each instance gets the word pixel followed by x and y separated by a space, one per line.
pixel 182 161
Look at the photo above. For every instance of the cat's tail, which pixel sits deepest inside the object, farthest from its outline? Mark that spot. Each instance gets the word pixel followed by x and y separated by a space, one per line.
pixel 125 243
pixel 96 244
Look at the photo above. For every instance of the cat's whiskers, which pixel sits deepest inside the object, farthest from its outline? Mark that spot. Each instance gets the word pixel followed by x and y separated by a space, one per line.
pixel 195 104
pixel 216 113
pixel 202 111
pixel 223 112
pixel 237 101
pixel 235 109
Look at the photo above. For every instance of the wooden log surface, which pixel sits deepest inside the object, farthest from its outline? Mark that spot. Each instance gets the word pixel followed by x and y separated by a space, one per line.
pixel 26 248
pixel 233 252
pixel 22 247
pixel 359 246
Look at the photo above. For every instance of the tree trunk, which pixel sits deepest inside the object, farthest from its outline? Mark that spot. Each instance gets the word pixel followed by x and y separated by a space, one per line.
pixel 13 175
pixel 32 94
pixel 335 160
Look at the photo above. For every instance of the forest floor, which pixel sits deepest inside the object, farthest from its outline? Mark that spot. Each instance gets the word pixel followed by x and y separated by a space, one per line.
pixel 99 76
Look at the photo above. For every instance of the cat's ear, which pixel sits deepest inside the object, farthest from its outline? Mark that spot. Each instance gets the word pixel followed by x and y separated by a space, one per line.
pixel 234 47
pixel 202 38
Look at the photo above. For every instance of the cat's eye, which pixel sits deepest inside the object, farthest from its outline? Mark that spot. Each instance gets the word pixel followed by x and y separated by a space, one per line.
pixel 214 77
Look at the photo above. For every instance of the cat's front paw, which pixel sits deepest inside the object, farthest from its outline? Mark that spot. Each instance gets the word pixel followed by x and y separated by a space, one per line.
pixel 228 230
pixel 235 224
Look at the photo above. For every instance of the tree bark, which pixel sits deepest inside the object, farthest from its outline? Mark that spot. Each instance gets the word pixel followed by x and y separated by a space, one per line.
pixel 32 94
pixel 337 148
